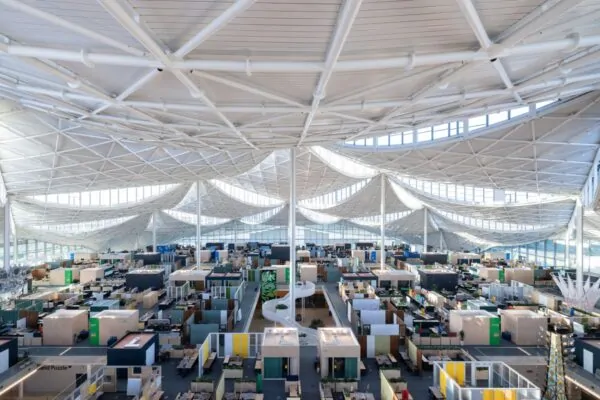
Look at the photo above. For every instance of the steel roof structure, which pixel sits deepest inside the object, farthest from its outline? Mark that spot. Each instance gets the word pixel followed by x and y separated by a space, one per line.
pixel 477 121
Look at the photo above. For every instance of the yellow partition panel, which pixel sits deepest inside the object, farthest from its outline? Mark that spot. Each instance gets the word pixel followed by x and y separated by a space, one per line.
pixel 488 394
pixel 205 350
pixel 443 382
pixel 450 367
pixel 499 394
pixel 241 344
pixel 459 373
pixel 510 394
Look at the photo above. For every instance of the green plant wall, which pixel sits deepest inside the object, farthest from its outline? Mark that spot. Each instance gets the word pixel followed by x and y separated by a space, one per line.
pixel 268 285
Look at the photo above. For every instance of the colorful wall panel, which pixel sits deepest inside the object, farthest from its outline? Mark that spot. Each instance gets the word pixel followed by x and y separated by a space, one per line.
pixel 241 344
pixel 268 285
pixel 382 344
pixel 443 382
pixel 94 332
pixel 495 331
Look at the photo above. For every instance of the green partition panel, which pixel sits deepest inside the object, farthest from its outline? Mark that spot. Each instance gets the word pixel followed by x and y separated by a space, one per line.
pixel 228 292
pixel 94 332
pixel 251 275
pixel 259 383
pixel 351 368
pixel 272 367
pixel 494 331
pixel 68 276
pixel 287 276
pixel 501 276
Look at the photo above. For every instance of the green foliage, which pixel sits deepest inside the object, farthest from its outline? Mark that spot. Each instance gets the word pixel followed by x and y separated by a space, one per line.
pixel 268 285
pixel 316 323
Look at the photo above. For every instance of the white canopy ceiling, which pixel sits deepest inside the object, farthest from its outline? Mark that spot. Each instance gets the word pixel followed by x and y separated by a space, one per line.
pixel 101 95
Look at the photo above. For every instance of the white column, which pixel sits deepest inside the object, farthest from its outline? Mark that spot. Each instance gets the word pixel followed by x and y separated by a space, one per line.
pixel 567 247
pixel 441 241
pixel 7 234
pixel 579 247
pixel 36 249
pixel 382 261
pixel 292 224
pixel 15 247
pixel 154 215
pixel 198 222
pixel 425 230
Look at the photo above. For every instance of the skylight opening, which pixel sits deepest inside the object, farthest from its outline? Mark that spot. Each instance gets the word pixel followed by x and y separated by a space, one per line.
pixel 105 198
pixel 445 130
pixel 192 219
pixel 334 198
pixel 317 217
pixel 476 195
pixel 375 220
pixel 344 165
pixel 543 104
pixel 490 224
pixel 82 227
pixel 246 196
pixel 262 217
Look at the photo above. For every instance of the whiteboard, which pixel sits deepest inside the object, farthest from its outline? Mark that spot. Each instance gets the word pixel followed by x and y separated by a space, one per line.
pixel 150 353
pixel 4 361
pixel 588 361
pixel 134 386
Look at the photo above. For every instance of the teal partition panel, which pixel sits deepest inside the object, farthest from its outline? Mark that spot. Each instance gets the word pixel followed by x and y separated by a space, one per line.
pixel 272 367
pixel 259 383
pixel 351 368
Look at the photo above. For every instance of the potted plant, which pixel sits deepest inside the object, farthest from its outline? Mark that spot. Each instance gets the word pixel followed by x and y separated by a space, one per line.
pixel 461 334
pixel 202 384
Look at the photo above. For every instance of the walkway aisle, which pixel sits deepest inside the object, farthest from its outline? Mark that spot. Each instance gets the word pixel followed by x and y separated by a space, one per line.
pixel 309 378
pixel 338 304
pixel 250 295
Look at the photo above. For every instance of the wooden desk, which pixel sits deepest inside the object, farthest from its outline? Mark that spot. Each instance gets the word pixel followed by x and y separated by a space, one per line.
pixel 392 358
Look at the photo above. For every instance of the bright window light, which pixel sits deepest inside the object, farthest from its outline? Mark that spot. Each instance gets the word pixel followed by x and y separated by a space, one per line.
pixel 344 165
pixel 191 218
pixel 543 104
pixel 245 196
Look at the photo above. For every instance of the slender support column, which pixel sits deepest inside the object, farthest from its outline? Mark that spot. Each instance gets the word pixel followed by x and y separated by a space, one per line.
pixel 37 251
pixel 382 261
pixel 7 234
pixel 21 392
pixel 198 222
pixel 567 247
pixel 441 241
pixel 154 215
pixel 292 224
pixel 15 247
pixel 579 247
pixel 425 230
